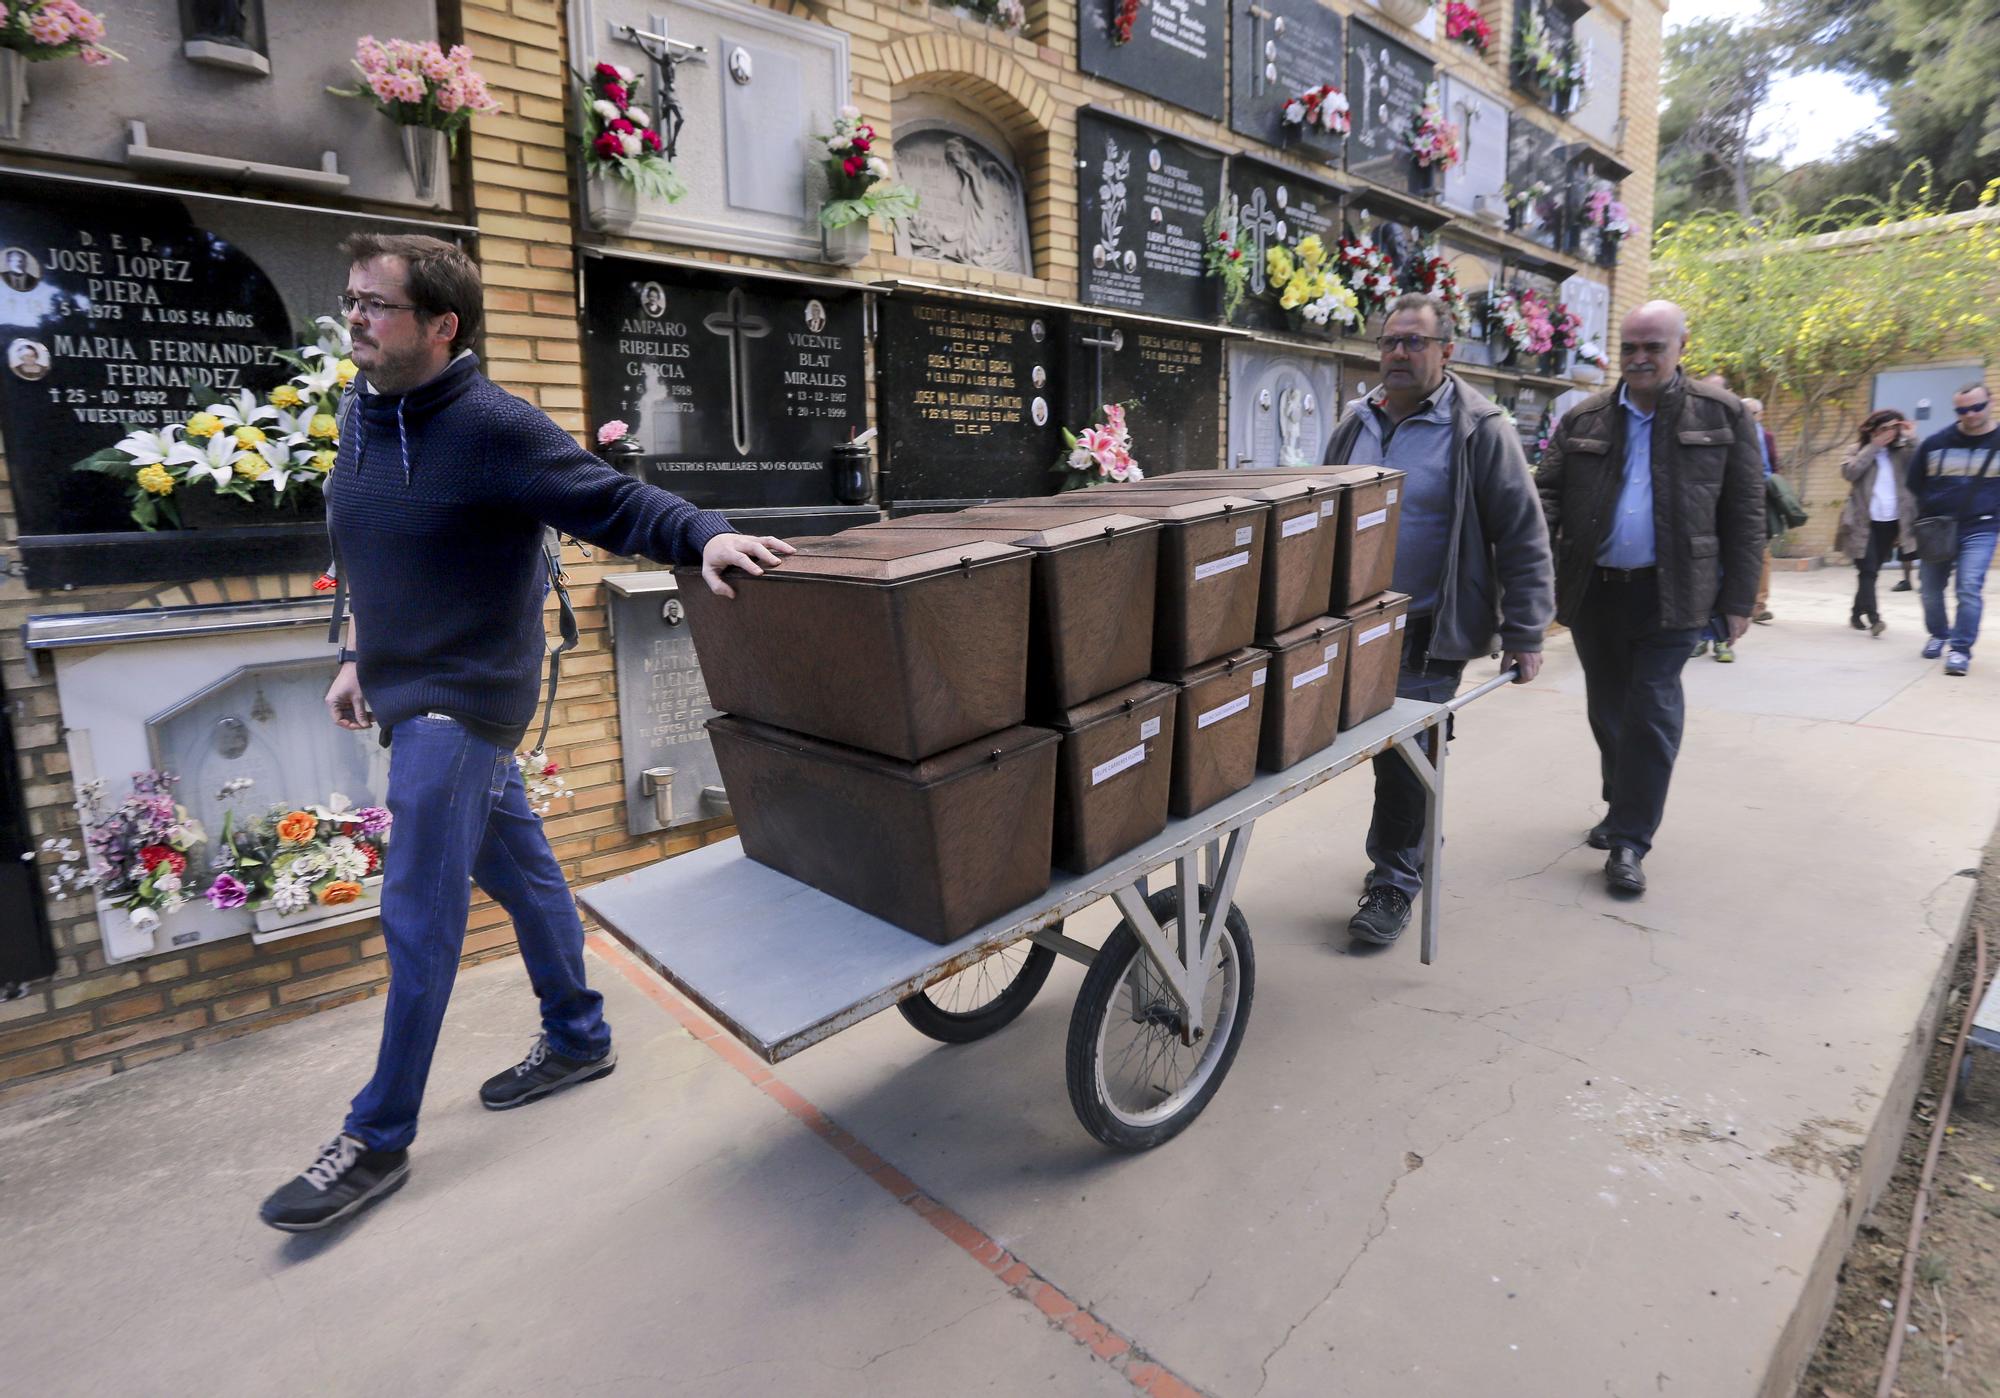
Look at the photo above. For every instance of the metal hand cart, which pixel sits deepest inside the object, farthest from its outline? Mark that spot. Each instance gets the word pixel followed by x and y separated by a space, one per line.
pixel 1163 1006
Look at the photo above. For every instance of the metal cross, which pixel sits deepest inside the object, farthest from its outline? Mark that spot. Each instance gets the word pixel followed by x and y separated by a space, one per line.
pixel 1259 223
pixel 666 55
pixel 1263 65
pixel 739 329
pixel 1469 113
pixel 1105 339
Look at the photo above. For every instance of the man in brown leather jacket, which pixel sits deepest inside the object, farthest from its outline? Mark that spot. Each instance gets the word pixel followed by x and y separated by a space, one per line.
pixel 1654 493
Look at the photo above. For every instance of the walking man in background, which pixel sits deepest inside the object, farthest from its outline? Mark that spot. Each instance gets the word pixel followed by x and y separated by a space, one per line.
pixel 1472 552
pixel 1648 488
pixel 1953 478
pixel 437 505
pixel 1767 446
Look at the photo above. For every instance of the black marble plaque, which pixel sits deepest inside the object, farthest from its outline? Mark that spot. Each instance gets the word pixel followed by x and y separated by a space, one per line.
pixel 1174 52
pixel 1534 157
pixel 1275 206
pixel 1283 48
pixel 1170 381
pixel 119 310
pixel 736 388
pixel 1478 276
pixel 1386 81
pixel 969 398
pixel 1142 199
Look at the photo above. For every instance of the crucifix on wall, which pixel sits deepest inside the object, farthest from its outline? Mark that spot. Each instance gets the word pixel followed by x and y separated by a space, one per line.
pixel 1259 224
pixel 739 328
pixel 664 55
pixel 1098 341
pixel 1264 65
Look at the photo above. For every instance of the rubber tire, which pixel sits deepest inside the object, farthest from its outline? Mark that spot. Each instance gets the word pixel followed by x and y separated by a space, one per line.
pixel 1097 999
pixel 928 1018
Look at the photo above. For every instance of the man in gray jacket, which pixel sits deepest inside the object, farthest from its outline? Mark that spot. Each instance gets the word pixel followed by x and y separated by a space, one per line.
pixel 1472 551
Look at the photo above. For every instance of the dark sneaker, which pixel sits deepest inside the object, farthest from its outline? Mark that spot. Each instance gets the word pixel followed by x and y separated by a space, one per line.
pixel 1877 626
pixel 1385 912
pixel 1763 618
pixel 1957 663
pixel 344 1178
pixel 1903 586
pixel 1933 648
pixel 1700 648
pixel 543 1071
pixel 1858 622
pixel 1599 835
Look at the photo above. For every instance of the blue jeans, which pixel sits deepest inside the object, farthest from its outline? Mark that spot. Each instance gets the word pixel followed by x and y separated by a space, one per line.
pixel 462 814
pixel 1975 555
pixel 1396 833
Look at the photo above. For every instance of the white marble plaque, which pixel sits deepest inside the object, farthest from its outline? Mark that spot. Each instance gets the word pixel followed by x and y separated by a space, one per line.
pixel 1476 184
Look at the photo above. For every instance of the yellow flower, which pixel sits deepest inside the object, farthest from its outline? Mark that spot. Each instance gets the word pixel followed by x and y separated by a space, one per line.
pixel 1295 295
pixel 322 461
pixel 285 396
pixel 1312 250
pixel 324 426
pixel 252 466
pixel 204 425
pixel 345 371
pixel 248 437
pixel 156 479
pixel 1278 265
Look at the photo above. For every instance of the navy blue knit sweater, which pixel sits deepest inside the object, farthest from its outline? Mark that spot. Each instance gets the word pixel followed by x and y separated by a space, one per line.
pixel 1953 474
pixel 436 506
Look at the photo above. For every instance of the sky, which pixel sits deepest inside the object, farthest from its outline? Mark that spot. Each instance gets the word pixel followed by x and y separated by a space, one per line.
pixel 1809 114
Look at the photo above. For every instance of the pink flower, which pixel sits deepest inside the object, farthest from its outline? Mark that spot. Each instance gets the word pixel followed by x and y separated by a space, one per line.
pixel 227 892
pixel 50 28
pixel 383 85
pixel 606 72
pixel 621 126
pixel 611 432
pixel 616 93
pixel 370 55
pixel 652 140
pixel 608 146
pixel 434 64
pixel 853 165
pixel 450 96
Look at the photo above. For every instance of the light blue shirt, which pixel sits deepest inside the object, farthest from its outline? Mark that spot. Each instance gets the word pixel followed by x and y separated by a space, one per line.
pixel 1420 447
pixel 1630 544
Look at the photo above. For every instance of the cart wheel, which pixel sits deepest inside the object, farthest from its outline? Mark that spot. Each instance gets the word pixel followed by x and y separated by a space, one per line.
pixel 1134 1084
pixel 982 999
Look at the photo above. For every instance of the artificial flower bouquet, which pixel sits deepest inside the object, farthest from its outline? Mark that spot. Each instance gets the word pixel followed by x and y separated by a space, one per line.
pixel 1322 108
pixel 140 849
pixel 1222 257
pixel 420 84
pixel 1370 275
pixel 274 452
pixel 1433 140
pixel 1308 285
pixel 1124 14
pixel 1463 24
pixel 1537 57
pixel 1435 276
pixel 541 778
pixel 1099 453
pixel 1524 321
pixel 296 859
pixel 44 30
pixel 855 172
pixel 618 135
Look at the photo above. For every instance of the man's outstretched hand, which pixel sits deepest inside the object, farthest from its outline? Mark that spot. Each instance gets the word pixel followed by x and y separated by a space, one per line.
pixel 1527 662
pixel 752 554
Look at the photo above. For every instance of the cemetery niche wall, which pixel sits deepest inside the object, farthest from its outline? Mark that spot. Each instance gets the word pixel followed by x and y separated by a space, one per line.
pixel 1170 49
pixel 972 207
pixel 125 308
pixel 1386 81
pixel 1477 185
pixel 1168 378
pixel 1281 49
pixel 748 89
pixel 1275 207
pixel 736 388
pixel 1142 198
pixel 1283 406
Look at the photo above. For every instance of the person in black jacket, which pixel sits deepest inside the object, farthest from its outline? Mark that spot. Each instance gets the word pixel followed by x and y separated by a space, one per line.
pixel 1953 476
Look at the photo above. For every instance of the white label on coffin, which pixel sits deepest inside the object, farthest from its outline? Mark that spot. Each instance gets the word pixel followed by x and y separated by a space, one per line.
pixel 1234 706
pixel 1244 534
pixel 1370 520
pixel 1306 521
pixel 1318 672
pixel 1204 571
pixel 1373 633
pixel 1399 622
pixel 1150 728
pixel 1257 679
pixel 1393 495
pixel 1130 758
pixel 1327 507
pixel 1333 651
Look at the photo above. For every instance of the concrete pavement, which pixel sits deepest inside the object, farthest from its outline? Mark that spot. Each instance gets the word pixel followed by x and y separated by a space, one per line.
pixel 1599 1148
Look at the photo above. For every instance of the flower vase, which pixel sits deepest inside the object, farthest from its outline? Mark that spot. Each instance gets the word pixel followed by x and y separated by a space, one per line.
pixel 1607 250
pixel 610 204
pixel 1408 13
pixel 424 155
pixel 13 93
pixel 274 926
pixel 1426 181
pixel 846 245
pixel 122 941
pixel 1555 363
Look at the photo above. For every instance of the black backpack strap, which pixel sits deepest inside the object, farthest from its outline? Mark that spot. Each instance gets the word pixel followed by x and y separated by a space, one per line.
pixel 552 558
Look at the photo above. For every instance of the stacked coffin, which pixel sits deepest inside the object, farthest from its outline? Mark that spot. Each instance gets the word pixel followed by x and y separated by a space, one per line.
pixel 921 715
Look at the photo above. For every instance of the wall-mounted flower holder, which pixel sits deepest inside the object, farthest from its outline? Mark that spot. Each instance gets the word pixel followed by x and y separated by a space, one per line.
pixel 425 157
pixel 13 94
pixel 273 926
pixel 846 245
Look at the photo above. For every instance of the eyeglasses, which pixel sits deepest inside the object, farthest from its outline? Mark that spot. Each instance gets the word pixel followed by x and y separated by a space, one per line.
pixel 1975 408
pixel 1408 344
pixel 373 307
pixel 1627 349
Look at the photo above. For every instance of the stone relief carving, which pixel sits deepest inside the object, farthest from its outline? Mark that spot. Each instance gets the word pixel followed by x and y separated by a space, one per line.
pixel 971 207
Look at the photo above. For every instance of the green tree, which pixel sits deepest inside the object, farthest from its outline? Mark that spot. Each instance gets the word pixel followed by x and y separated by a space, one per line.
pixel 1716 78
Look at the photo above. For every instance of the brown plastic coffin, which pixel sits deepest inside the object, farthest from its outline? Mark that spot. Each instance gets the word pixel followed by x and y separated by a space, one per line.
pixel 1113 774
pixel 1216 726
pixel 1299 545
pixel 1090 627
pixel 1374 656
pixel 1370 511
pixel 902 644
pixel 936 847
pixel 1211 566
pixel 1302 699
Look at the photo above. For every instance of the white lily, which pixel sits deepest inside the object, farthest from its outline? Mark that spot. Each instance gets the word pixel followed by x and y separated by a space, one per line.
pixel 214 461
pixel 244 410
pixel 150 448
pixel 334 340
pixel 321 381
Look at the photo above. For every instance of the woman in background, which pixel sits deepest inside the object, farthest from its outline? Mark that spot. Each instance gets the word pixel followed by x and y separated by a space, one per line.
pixel 1881 513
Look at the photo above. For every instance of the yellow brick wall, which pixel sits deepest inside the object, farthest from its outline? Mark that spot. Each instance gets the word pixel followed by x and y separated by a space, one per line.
pixel 92 1020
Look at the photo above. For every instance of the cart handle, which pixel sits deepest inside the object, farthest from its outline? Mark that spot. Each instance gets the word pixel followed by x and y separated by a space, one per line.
pixel 1505 677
